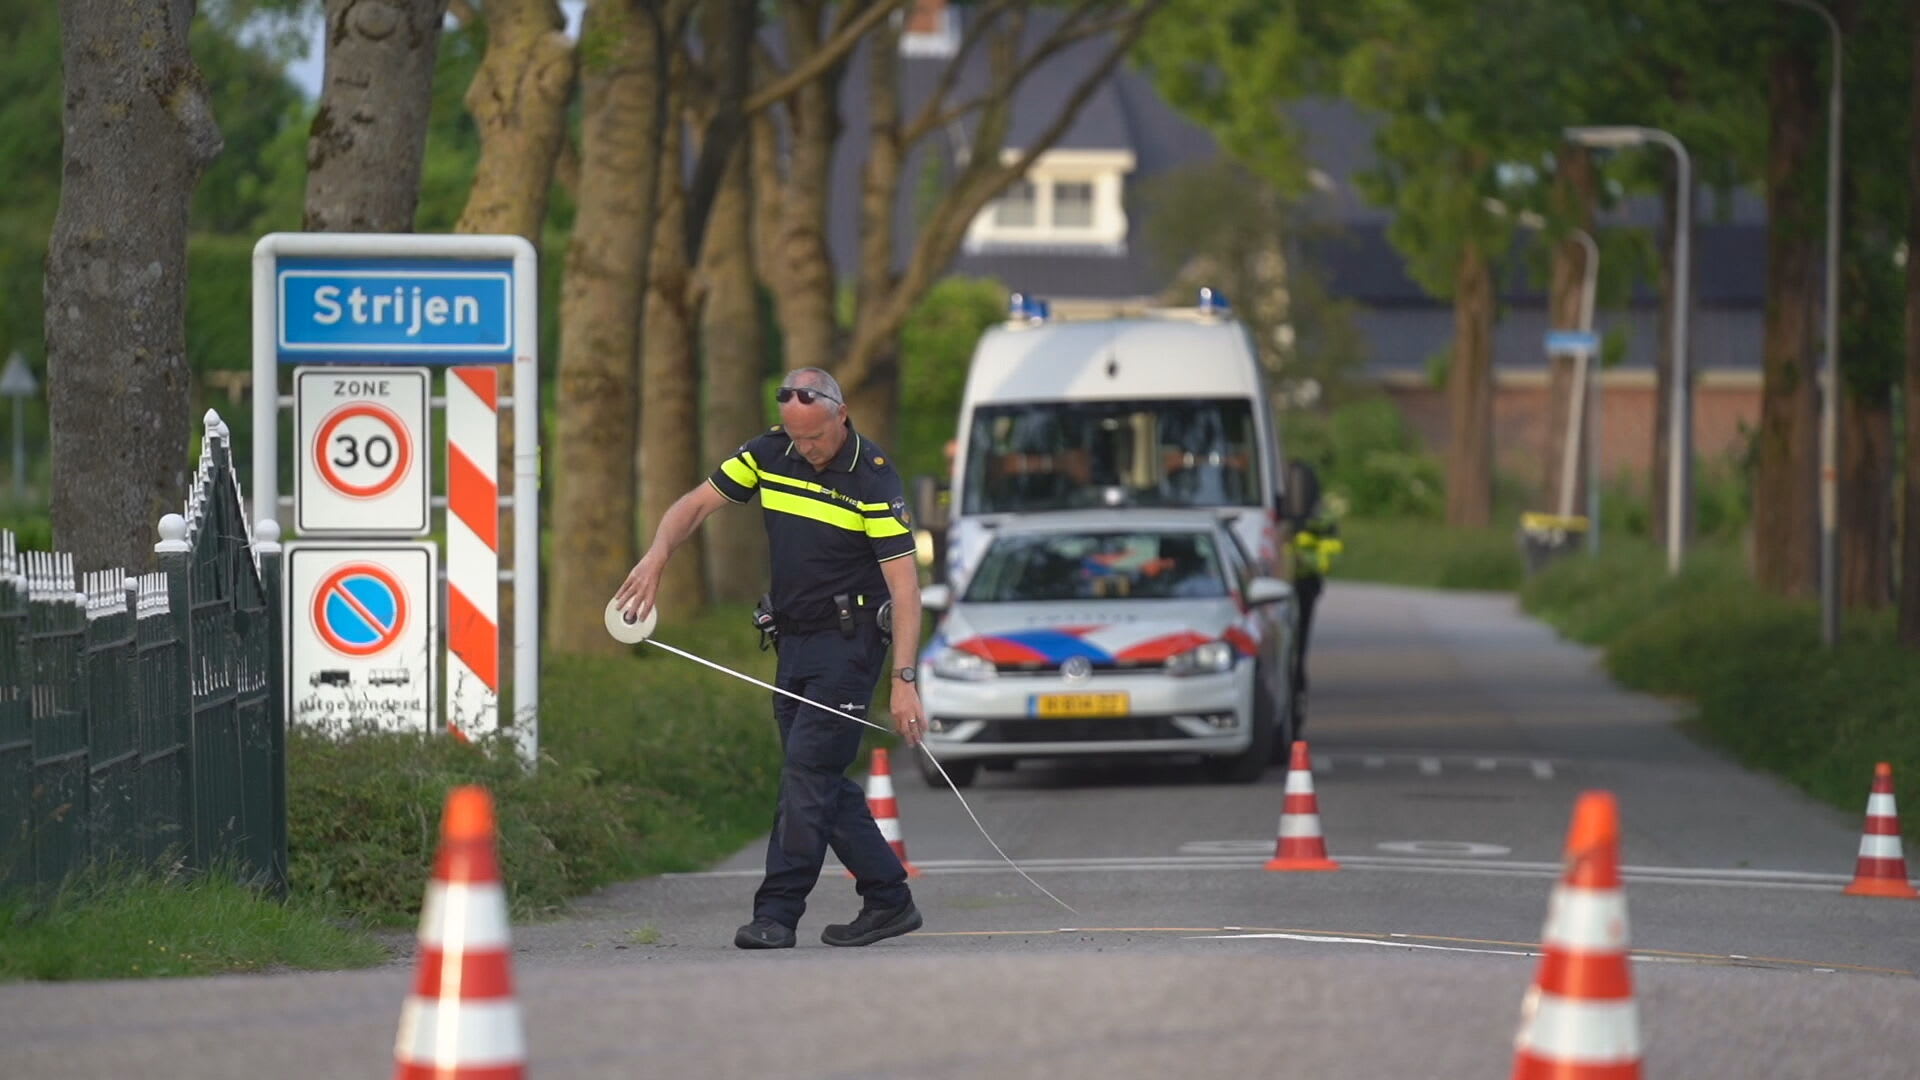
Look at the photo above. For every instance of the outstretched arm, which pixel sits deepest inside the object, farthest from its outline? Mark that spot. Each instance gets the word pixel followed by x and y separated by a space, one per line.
pixel 903 587
pixel 681 519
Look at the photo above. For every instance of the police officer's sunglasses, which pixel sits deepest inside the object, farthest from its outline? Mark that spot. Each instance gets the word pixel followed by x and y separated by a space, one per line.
pixel 805 394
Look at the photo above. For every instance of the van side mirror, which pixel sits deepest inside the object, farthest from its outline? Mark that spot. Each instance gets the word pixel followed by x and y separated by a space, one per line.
pixel 936 597
pixel 1303 489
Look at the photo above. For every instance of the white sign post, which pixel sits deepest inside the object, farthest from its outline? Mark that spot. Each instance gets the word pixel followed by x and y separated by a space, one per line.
pixel 362 440
pixel 362 627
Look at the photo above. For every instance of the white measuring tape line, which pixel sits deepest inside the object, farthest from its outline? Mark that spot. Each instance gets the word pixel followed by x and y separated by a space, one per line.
pixel 642 631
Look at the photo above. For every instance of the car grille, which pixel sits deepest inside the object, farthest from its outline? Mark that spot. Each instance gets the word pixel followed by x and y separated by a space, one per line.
pixel 1088 729
pixel 1116 667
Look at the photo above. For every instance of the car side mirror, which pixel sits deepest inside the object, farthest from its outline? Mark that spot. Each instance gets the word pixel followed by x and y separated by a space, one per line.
pixel 1266 590
pixel 936 597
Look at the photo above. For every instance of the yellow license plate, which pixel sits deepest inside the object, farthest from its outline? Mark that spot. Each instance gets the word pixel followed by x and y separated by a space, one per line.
pixel 1080 705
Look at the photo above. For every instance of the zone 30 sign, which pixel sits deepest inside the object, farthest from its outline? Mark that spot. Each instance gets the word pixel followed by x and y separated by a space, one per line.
pixel 362 438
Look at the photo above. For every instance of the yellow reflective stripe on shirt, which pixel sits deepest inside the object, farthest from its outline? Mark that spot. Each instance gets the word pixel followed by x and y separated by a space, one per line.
pixel 880 528
pixel 740 472
pixel 876 506
pixel 802 506
pixel 789 481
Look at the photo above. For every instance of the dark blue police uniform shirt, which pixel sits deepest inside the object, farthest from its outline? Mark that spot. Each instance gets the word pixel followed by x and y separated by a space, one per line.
pixel 828 530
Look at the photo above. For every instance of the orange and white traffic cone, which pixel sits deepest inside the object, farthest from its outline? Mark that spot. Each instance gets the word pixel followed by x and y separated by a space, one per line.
pixel 461 1022
pixel 1881 869
pixel 1301 845
pixel 886 812
pixel 1579 1020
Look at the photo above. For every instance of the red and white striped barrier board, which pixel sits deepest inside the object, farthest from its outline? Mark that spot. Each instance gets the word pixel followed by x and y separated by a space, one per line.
pixel 473 551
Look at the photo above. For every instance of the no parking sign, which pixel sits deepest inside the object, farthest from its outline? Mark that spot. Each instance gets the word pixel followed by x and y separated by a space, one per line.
pixel 362 440
pixel 362 633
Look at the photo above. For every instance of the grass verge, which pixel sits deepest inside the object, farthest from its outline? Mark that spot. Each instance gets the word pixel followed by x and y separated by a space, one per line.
pixel 1416 551
pixel 1764 688
pixel 130 928
pixel 648 764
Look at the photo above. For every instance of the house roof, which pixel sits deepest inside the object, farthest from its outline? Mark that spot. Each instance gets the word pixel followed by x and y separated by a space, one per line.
pixel 1128 113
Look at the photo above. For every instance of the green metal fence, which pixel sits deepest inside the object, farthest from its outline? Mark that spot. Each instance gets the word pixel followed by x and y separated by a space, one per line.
pixel 140 716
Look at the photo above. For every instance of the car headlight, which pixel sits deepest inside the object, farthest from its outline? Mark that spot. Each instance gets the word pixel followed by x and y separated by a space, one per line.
pixel 965 666
pixel 1208 659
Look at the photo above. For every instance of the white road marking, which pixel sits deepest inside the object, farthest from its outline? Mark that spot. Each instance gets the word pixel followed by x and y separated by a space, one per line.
pixel 1375 762
pixel 1543 770
pixel 1485 764
pixel 1442 847
pixel 1332 940
pixel 1429 766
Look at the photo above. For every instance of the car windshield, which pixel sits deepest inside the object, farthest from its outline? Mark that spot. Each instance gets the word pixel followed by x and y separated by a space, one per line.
pixel 1098 566
pixel 1059 455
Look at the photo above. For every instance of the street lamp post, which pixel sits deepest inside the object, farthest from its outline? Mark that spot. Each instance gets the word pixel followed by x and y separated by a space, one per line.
pixel 1830 363
pixel 1680 455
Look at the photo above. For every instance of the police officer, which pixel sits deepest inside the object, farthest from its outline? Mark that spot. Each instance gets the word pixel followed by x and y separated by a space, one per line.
pixel 837 530
pixel 1315 536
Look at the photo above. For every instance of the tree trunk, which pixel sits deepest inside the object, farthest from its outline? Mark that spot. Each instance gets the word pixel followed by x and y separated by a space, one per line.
pixel 138 132
pixel 731 338
pixel 1866 503
pixel 1574 190
pixel 670 379
pixel 1910 390
pixel 1785 493
pixel 518 101
pixel 369 132
pixel 596 433
pixel 874 396
pixel 802 272
pixel 1470 393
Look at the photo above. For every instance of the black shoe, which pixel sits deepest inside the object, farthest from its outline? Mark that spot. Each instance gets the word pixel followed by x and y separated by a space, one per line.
pixel 763 933
pixel 874 924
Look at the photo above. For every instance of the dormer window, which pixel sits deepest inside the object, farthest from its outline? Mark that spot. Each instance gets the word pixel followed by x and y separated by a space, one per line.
pixel 931 29
pixel 1070 200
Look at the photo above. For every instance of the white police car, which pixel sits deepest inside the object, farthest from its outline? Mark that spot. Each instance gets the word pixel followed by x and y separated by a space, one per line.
pixel 1097 633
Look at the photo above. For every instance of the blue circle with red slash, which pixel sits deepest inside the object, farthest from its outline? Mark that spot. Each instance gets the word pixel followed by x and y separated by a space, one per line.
pixel 360 610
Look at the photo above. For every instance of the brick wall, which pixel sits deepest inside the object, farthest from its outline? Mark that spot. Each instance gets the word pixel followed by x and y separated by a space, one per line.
pixel 1725 408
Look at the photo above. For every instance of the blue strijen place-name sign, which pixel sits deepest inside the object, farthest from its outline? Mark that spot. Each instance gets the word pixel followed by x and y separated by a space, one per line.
pixel 403 310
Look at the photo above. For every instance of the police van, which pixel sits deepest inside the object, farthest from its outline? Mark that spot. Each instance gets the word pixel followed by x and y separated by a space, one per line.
pixel 1164 410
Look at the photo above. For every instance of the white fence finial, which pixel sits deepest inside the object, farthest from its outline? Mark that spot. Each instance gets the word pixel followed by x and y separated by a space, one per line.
pixel 213 423
pixel 173 535
pixel 266 537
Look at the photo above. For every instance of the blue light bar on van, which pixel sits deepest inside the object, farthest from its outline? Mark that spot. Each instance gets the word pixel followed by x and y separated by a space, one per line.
pixel 1213 301
pixel 1024 308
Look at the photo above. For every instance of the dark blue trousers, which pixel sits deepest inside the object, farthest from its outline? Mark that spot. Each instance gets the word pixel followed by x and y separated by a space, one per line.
pixel 819 807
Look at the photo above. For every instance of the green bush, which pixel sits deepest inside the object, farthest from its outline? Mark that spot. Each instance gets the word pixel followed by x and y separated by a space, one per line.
pixel 1368 456
pixel 936 349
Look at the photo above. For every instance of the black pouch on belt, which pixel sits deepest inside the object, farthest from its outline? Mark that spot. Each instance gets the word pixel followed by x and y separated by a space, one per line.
pixel 843 606
pixel 765 621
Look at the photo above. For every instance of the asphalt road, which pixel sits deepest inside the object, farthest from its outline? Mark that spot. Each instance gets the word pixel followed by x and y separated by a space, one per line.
pixel 1450 738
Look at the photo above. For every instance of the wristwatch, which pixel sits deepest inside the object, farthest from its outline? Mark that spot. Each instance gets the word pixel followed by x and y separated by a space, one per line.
pixel 905 674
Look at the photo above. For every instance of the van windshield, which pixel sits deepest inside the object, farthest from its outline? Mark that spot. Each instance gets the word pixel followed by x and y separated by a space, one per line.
pixel 1060 455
